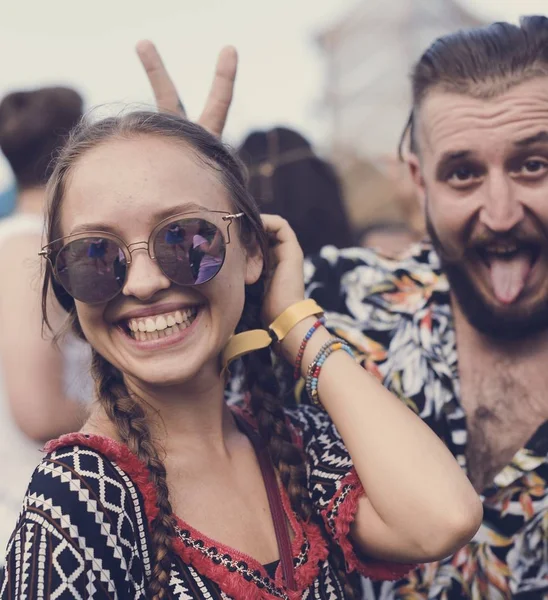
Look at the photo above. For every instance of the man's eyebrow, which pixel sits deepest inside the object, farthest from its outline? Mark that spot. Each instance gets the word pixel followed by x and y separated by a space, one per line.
pixel 541 136
pixel 449 157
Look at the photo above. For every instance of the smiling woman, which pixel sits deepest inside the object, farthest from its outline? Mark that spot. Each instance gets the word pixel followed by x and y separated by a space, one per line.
pixel 158 254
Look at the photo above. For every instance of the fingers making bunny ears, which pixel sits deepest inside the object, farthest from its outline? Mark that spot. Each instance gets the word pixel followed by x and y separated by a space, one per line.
pixel 215 112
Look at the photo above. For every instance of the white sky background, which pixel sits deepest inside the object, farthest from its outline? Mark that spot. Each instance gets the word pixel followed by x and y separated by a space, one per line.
pixel 91 47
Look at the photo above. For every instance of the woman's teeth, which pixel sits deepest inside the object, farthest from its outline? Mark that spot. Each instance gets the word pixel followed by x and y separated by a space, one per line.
pixel 159 326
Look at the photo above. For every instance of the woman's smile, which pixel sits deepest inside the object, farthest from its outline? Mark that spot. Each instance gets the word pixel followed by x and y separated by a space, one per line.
pixel 160 327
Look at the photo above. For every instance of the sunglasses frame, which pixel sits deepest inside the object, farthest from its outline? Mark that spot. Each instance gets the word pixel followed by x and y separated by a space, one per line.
pixel 51 254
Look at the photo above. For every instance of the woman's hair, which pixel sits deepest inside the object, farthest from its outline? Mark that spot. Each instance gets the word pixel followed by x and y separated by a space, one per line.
pixel 34 125
pixel 481 63
pixel 126 411
pixel 287 178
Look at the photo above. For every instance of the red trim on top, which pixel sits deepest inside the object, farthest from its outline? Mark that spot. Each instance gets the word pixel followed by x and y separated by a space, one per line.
pixel 378 570
pixel 318 548
pixel 232 584
pixel 122 456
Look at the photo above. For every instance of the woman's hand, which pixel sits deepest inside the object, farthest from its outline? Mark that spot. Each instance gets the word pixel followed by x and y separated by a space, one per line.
pixel 285 283
pixel 213 117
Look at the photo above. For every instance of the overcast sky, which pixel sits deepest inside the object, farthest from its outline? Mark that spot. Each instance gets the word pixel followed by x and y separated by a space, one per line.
pixel 91 46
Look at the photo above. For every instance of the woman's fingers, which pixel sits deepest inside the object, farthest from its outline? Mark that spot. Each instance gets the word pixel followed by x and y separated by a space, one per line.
pixel 213 117
pixel 285 282
pixel 286 245
pixel 165 92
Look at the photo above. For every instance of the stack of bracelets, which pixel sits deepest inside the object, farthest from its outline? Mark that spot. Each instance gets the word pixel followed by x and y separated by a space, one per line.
pixel 315 367
pixel 257 339
pixel 313 372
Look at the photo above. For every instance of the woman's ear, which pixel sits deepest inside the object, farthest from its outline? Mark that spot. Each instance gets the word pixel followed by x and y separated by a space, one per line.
pixel 254 263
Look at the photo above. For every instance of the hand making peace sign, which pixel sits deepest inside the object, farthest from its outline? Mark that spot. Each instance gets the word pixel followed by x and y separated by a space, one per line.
pixel 213 117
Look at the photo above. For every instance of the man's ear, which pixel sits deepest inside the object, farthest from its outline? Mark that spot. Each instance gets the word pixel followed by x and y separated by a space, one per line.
pixel 254 263
pixel 413 164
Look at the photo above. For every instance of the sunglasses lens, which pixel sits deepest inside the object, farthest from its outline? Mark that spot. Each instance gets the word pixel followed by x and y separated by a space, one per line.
pixel 92 269
pixel 190 251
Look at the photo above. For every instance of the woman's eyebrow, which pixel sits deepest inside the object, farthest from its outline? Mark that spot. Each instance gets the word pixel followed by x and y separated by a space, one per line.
pixel 179 208
pixel 91 227
pixel 158 216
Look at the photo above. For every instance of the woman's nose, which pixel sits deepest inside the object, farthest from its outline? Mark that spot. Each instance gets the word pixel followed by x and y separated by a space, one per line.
pixel 144 278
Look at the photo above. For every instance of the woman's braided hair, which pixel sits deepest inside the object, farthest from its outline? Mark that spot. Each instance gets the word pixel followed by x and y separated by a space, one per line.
pixel 267 407
pixel 126 411
pixel 130 420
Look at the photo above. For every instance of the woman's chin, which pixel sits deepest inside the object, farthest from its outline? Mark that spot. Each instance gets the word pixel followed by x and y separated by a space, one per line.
pixel 162 376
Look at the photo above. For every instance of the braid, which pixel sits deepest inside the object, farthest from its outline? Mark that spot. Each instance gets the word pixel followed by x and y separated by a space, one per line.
pixel 267 407
pixel 130 420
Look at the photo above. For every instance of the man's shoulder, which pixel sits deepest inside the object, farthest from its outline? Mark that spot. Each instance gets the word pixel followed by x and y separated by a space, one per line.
pixel 337 278
pixel 418 258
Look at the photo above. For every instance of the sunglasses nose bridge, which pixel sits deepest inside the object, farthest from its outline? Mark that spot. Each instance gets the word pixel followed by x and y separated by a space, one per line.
pixel 131 248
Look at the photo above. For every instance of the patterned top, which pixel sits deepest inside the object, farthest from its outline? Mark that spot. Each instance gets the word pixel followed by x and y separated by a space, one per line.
pixel 397 314
pixel 83 528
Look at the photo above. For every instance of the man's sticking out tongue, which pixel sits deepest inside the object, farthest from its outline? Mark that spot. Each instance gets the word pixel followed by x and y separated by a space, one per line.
pixel 508 275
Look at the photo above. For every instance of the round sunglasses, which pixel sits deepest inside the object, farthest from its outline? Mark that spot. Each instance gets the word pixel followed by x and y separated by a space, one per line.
pixel 189 248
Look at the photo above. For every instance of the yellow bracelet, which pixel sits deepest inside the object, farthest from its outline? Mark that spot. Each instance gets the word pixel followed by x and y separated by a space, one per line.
pixel 258 339
pixel 296 313
pixel 244 343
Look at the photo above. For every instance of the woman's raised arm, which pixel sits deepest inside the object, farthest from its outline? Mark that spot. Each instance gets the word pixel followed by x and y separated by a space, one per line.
pixel 418 505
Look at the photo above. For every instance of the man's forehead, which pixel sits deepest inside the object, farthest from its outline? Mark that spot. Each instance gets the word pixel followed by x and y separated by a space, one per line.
pixel 464 123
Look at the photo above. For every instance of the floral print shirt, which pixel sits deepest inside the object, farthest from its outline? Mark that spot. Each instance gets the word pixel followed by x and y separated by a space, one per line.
pixel 397 315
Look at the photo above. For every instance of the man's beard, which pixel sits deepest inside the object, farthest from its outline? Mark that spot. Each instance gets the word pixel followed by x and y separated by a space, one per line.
pixel 509 325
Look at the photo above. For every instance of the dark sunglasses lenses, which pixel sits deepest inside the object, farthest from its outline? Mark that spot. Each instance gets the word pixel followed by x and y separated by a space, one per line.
pixel 93 269
pixel 189 251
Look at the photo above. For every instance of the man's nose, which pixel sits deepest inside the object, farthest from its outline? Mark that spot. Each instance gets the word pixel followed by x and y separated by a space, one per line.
pixel 501 208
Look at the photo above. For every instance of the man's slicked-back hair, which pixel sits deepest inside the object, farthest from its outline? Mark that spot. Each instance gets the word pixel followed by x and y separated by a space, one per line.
pixel 483 63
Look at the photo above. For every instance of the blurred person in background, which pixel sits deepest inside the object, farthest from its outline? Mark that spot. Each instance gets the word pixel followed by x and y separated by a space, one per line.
pixel 459 329
pixel 7 200
pixel 406 195
pixel 390 238
pixel 42 386
pixel 287 178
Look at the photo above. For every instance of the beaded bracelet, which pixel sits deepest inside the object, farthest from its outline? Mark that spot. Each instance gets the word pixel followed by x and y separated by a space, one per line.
pixel 313 373
pixel 309 334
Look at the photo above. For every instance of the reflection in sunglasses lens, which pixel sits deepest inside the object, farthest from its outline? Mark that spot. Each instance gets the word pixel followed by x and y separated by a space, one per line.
pixel 190 251
pixel 91 269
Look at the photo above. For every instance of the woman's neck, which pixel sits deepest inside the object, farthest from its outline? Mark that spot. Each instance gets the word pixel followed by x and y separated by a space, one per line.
pixel 188 418
pixel 31 201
